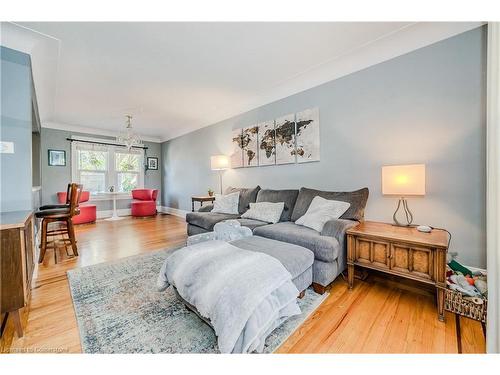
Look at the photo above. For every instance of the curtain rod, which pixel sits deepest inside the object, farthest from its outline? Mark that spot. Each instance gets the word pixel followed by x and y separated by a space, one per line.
pixel 103 143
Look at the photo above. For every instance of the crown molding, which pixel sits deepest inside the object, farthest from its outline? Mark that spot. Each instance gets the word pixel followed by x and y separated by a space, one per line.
pixel 92 131
pixel 379 50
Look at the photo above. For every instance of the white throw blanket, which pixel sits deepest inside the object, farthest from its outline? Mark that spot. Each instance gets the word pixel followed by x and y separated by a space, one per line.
pixel 245 294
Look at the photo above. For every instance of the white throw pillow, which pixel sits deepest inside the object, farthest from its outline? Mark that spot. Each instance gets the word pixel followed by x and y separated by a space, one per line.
pixel 265 211
pixel 320 211
pixel 226 204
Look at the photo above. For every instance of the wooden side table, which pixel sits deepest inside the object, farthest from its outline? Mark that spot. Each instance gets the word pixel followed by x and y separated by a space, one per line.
pixel 200 199
pixel 401 251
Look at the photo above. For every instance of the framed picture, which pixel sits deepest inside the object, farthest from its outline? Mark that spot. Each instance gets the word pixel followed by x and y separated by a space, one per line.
pixel 153 163
pixel 57 158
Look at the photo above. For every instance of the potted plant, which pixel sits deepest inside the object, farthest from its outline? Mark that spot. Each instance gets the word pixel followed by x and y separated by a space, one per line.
pixel 210 192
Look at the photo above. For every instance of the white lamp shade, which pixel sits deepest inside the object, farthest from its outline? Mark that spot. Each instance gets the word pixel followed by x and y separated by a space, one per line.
pixel 219 162
pixel 403 180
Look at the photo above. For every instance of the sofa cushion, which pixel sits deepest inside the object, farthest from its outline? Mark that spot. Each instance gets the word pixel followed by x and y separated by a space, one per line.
pixel 264 211
pixel 206 208
pixel 325 248
pixel 252 223
pixel 226 204
pixel 356 198
pixel 207 220
pixel 296 259
pixel 287 196
pixel 247 196
pixel 320 211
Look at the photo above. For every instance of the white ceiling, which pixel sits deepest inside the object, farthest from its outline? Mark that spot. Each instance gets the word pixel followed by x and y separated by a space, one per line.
pixel 178 77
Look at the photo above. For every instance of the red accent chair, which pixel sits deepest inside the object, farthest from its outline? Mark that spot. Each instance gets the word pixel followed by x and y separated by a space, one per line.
pixel 144 202
pixel 88 212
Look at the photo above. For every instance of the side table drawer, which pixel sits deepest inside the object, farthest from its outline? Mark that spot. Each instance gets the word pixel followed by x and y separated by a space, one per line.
pixel 415 261
pixel 372 252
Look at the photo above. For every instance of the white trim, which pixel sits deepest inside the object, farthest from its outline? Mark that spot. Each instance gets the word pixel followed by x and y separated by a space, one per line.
pixel 103 214
pixel 173 211
pixel 493 187
pixel 93 131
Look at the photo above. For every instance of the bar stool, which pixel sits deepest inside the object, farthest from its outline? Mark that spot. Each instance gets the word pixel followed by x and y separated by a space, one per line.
pixel 60 205
pixel 62 216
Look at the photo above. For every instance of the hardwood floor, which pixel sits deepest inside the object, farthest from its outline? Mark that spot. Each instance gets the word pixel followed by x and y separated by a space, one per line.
pixel 373 317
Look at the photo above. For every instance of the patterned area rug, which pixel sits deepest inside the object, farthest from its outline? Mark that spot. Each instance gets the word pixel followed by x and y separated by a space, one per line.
pixel 119 311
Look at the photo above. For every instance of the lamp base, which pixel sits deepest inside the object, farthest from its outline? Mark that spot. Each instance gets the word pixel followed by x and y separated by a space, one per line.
pixel 408 215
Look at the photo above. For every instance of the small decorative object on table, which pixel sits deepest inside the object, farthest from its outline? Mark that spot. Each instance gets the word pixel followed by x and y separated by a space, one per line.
pixel 210 192
pixel 201 199
pixel 467 291
pixel 111 189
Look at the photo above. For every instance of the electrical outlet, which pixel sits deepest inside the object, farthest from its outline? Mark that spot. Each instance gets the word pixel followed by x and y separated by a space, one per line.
pixel 6 147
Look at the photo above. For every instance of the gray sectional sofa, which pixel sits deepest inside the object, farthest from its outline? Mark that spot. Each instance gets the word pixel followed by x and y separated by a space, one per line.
pixel 329 246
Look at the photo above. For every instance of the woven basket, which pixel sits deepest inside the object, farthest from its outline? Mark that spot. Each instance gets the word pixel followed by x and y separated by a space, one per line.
pixel 455 302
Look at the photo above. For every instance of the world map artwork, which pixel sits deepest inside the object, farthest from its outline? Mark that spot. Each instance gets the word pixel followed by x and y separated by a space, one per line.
pixel 293 138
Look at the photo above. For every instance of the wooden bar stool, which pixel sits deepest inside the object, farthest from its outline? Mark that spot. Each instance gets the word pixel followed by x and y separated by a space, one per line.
pixel 62 216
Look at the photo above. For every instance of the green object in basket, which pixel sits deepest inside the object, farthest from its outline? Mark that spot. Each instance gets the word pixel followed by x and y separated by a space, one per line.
pixel 455 266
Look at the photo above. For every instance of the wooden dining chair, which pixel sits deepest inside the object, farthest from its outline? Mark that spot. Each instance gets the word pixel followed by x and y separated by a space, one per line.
pixel 65 227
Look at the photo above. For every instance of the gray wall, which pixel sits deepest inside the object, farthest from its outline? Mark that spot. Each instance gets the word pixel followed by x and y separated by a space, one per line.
pixel 55 179
pixel 36 162
pixel 15 126
pixel 427 106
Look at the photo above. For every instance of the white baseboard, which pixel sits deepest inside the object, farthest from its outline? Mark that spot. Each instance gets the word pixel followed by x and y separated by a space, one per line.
pixel 103 214
pixel 173 211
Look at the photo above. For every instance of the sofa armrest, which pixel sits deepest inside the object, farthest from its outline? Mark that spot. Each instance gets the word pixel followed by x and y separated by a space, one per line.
pixel 337 229
pixel 206 208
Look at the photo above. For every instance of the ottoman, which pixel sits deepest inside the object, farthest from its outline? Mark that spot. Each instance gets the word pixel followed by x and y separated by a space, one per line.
pixel 296 259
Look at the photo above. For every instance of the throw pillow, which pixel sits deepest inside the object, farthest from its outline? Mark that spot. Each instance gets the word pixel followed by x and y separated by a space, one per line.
pixel 320 211
pixel 247 196
pixel 226 204
pixel 265 211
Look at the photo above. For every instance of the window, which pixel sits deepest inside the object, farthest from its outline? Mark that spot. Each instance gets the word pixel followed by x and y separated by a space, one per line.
pixel 98 167
pixel 128 170
pixel 92 169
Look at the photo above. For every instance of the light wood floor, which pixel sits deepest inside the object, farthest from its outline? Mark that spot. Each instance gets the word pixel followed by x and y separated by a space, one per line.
pixel 373 317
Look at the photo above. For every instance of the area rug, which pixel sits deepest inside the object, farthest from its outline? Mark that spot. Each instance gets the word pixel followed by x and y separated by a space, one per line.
pixel 118 310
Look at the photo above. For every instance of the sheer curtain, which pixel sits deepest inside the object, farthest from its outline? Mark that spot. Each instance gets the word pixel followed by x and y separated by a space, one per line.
pixel 493 187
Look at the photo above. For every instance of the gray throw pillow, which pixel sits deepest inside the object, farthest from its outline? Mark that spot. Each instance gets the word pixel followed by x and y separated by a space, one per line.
pixel 287 196
pixel 357 199
pixel 247 196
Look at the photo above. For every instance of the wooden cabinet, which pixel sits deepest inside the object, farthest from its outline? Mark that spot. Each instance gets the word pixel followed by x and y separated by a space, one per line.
pixel 401 251
pixel 16 265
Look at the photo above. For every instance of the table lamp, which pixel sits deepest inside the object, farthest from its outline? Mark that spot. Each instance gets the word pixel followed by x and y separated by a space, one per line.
pixel 219 163
pixel 403 181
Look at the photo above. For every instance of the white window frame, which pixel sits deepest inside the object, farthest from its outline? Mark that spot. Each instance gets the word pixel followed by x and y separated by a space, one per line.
pixel 111 173
pixel 115 172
